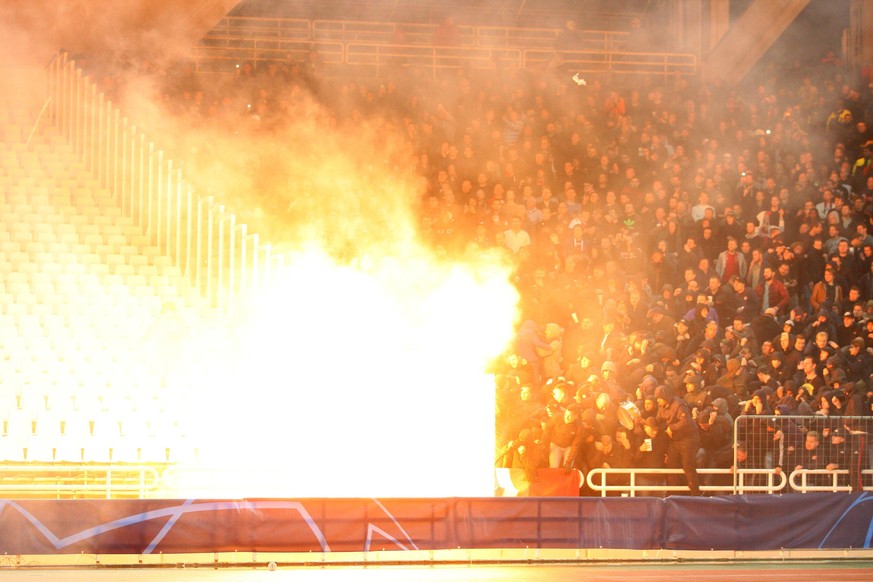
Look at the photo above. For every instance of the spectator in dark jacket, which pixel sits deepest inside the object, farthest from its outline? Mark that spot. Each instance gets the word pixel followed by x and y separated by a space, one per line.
pixel 651 454
pixel 683 435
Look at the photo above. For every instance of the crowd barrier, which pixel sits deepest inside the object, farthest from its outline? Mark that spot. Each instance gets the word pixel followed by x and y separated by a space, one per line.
pixel 322 526
pixel 379 47
pixel 224 55
pixel 769 455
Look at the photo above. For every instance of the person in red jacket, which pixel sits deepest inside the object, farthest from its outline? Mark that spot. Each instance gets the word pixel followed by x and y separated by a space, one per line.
pixel 771 292
pixel 684 437
pixel 564 436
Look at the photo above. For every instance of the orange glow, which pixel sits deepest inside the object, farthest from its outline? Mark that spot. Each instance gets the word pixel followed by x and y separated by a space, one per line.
pixel 358 380
pixel 360 372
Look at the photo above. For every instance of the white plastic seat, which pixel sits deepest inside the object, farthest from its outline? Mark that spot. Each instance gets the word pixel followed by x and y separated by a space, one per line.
pixel 97 450
pixel 114 259
pixel 154 450
pixel 123 269
pixel 70 449
pixel 128 250
pixel 116 240
pixel 93 240
pixel 68 238
pixel 138 260
pixel 12 450
pixel 22 236
pixel 76 425
pixel 10 247
pixel 48 424
pixel 19 425
pixel 125 450
pixel 40 449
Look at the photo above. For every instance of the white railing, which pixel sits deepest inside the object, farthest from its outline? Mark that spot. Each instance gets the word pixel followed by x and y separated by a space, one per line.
pixel 746 481
pixel 89 480
pixel 203 238
pixel 768 455
pixel 838 478
pixel 597 480
pixel 771 441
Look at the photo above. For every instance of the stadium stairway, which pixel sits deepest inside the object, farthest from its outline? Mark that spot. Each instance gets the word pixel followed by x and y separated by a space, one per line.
pixel 81 286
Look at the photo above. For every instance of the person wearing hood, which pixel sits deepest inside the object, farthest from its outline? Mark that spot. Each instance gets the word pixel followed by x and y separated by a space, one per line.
pixel 856 361
pixel 787 439
pixel 785 396
pixel 527 452
pixel 720 405
pixel 758 404
pixel 765 377
pixel 777 370
pixel 650 454
pixel 735 379
pixel 683 435
pixel 695 396
pixel 804 400
pixel 824 404
pixel 753 429
pixel 716 440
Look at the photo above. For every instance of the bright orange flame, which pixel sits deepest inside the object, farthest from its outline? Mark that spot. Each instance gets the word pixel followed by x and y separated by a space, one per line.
pixel 361 370
pixel 360 380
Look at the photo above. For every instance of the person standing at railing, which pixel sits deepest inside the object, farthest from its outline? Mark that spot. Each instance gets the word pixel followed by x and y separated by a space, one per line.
pixel 754 430
pixel 856 431
pixel 716 440
pixel 607 453
pixel 651 454
pixel 813 456
pixel 684 439
pixel 787 439
pixel 564 437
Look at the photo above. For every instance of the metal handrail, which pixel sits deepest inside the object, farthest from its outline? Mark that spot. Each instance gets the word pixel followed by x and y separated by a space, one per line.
pixel 148 478
pixel 612 61
pixel 741 431
pixel 275 39
pixel 632 488
pixel 435 58
pixel 834 474
pixel 257 49
pixel 357 30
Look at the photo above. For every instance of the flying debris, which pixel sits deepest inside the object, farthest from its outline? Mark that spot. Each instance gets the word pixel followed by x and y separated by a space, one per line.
pixel 579 80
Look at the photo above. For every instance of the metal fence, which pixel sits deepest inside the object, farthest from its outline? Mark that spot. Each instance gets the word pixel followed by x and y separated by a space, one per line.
pixel 819 453
pixel 73 481
pixel 376 47
pixel 771 454
pixel 203 238
pixel 231 27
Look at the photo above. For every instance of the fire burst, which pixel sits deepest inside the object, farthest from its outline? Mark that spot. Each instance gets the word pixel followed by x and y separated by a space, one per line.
pixel 359 380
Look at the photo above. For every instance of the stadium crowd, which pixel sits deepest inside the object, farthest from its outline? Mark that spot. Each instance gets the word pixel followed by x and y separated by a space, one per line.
pixel 686 252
